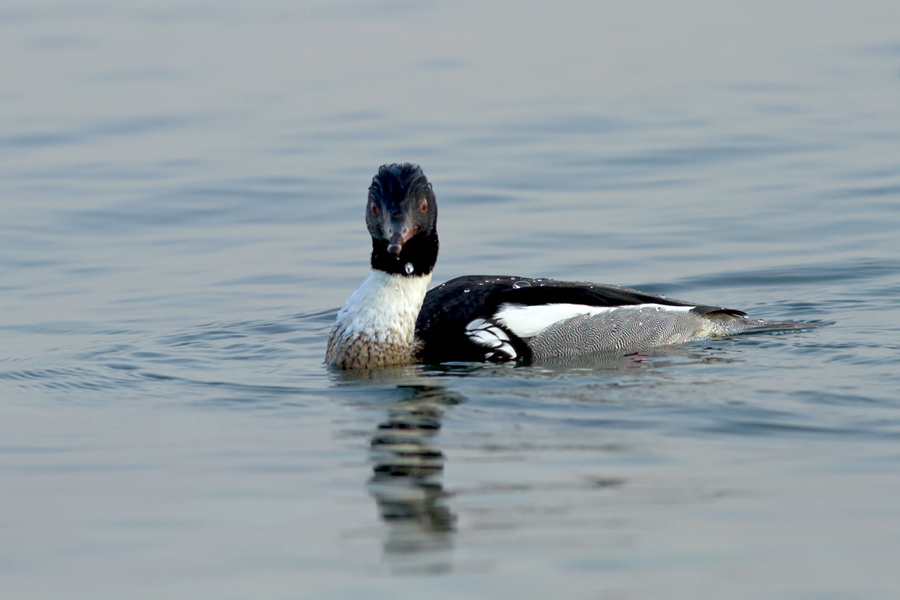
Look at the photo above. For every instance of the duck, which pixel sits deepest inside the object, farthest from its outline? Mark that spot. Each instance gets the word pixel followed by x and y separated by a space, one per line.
pixel 393 319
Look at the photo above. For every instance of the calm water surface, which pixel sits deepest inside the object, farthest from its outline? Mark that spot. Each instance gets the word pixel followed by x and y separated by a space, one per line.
pixel 181 195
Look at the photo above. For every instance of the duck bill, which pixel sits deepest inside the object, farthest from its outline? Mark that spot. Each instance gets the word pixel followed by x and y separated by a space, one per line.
pixel 398 232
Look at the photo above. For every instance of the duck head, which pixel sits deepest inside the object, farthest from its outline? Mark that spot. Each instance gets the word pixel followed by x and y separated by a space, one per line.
pixel 401 214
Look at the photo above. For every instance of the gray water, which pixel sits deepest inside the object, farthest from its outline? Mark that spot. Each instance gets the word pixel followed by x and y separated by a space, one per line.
pixel 181 215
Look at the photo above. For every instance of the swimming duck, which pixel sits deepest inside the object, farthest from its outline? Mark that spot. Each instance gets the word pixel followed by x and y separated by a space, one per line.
pixel 393 319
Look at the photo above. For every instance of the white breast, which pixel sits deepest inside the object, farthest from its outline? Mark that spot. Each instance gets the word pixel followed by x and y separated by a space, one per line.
pixel 383 302
pixel 377 324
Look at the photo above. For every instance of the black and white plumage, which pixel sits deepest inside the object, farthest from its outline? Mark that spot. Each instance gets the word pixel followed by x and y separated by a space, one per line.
pixel 391 319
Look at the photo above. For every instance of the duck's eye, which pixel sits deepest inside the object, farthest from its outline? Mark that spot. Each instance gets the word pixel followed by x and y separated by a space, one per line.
pixel 374 210
pixel 424 206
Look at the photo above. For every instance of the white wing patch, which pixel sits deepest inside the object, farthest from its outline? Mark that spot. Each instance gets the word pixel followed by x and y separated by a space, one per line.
pixel 528 321
pixel 490 336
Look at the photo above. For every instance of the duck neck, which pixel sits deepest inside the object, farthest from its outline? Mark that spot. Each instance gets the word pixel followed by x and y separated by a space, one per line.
pixel 376 327
pixel 417 257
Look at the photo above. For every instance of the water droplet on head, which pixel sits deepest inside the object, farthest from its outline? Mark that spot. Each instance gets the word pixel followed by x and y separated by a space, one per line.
pixel 521 284
pixel 409 268
pixel 466 290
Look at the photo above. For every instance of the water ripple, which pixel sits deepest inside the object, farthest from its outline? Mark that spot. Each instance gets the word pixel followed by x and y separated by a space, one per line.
pixel 799 274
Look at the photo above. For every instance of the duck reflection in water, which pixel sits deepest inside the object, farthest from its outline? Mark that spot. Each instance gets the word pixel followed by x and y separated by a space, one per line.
pixel 408 466
pixel 406 480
